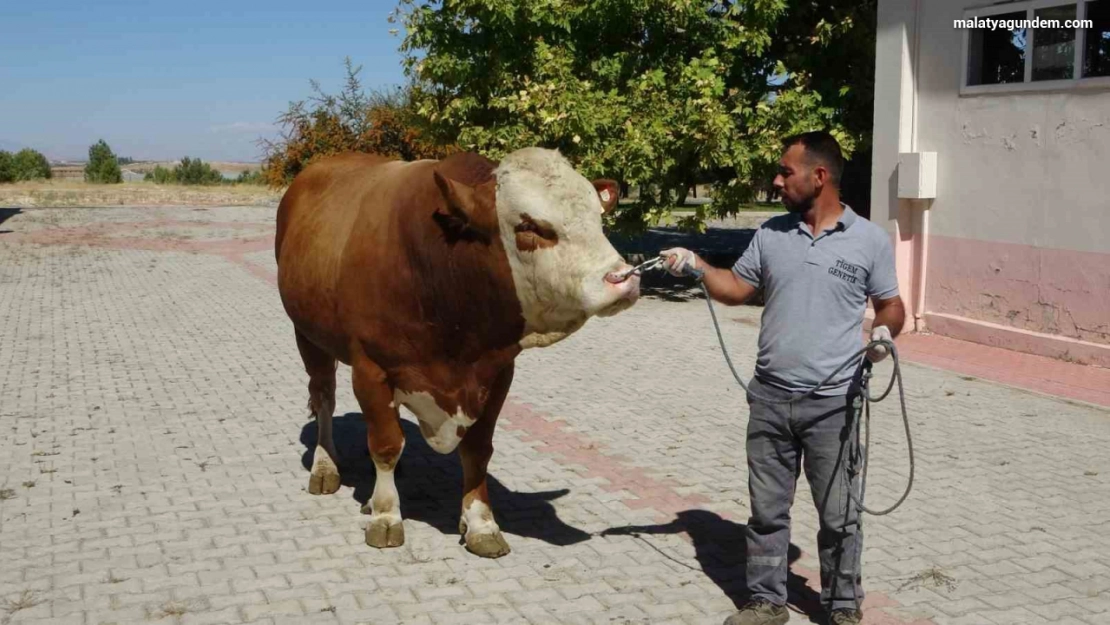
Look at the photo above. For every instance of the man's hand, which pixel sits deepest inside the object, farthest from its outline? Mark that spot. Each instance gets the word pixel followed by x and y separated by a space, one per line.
pixel 722 284
pixel 879 352
pixel 679 261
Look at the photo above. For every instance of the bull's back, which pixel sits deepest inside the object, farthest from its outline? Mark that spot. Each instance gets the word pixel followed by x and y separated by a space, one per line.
pixel 315 220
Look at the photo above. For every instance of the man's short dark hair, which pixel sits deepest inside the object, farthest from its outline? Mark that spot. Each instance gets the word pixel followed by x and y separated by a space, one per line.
pixel 822 148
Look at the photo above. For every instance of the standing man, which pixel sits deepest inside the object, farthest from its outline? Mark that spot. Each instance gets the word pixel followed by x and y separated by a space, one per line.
pixel 818 264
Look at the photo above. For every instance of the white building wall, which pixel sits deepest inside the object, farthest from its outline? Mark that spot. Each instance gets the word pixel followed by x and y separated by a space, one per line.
pixel 1015 248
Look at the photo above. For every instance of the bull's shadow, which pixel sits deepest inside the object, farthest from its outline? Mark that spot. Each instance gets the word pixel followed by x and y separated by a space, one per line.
pixel 6 214
pixel 721 552
pixel 430 484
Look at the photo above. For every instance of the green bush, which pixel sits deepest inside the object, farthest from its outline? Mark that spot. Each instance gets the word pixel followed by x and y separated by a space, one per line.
pixel 160 175
pixel 102 167
pixel 7 167
pixel 196 171
pixel 190 171
pixel 30 164
pixel 251 177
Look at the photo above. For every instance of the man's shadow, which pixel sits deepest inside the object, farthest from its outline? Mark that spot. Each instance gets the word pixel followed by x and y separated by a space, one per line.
pixel 430 484
pixel 720 549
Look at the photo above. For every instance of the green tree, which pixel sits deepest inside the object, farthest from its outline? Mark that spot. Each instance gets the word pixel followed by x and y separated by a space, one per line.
pixel 28 164
pixel 102 167
pixel 160 175
pixel 657 93
pixel 196 171
pixel 7 167
pixel 251 177
pixel 830 48
pixel 379 122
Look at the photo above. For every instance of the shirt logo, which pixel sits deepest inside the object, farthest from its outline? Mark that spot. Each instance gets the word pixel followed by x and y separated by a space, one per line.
pixel 845 271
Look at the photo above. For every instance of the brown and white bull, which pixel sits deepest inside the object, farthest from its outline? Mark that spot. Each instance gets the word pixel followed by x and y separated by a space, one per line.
pixel 428 279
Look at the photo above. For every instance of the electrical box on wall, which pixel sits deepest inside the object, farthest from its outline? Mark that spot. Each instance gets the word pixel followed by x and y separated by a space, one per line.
pixel 917 175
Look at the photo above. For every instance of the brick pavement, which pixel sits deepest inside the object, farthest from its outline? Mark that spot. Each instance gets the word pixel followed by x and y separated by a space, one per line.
pixel 156 451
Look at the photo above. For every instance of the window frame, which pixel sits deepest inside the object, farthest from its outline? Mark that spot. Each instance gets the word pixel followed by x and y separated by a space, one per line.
pixel 1029 7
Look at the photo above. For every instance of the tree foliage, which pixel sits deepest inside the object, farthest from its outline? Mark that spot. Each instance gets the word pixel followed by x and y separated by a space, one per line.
pixel 380 122
pixel 102 167
pixel 26 164
pixel 196 171
pixel 251 177
pixel 190 171
pixel 160 175
pixel 657 93
pixel 7 167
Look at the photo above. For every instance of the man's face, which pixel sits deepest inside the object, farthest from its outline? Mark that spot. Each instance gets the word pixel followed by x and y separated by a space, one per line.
pixel 796 181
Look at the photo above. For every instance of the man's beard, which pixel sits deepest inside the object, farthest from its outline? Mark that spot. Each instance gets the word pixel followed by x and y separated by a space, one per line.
pixel 801 206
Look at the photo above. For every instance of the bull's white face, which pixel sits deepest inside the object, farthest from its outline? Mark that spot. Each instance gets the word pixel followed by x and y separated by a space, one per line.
pixel 562 264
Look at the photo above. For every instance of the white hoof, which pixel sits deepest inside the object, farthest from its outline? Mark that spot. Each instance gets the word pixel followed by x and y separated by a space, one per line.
pixel 324 479
pixel 385 531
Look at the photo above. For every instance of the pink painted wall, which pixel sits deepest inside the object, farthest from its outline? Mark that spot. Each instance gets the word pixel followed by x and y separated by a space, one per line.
pixel 1045 290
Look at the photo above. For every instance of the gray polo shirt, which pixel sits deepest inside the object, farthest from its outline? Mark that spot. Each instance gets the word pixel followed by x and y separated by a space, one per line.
pixel 815 292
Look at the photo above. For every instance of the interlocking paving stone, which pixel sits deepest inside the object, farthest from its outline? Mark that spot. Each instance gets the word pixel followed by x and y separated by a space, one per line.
pixel 156 443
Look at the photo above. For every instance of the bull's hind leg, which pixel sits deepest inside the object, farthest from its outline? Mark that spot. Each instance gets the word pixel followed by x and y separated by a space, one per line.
pixel 476 524
pixel 320 366
pixel 386 442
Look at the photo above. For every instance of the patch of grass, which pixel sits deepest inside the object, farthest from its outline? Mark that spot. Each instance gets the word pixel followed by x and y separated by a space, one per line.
pixel 77 193
pixel 29 484
pixel 934 577
pixel 7 494
pixel 26 600
pixel 170 608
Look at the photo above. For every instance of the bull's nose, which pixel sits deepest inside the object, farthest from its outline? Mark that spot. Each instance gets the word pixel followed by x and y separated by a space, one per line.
pixel 620 274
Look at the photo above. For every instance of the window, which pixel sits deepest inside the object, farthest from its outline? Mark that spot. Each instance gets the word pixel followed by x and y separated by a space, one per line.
pixel 1096 51
pixel 997 56
pixel 1054 48
pixel 1036 44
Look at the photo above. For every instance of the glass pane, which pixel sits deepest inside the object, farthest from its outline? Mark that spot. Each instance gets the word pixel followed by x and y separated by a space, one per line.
pixel 1096 53
pixel 1054 48
pixel 996 56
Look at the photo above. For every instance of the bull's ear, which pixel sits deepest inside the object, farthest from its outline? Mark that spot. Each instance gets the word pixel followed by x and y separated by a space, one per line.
pixel 466 209
pixel 608 192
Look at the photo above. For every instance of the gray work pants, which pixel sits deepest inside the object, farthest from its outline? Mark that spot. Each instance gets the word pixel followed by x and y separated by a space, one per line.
pixel 783 438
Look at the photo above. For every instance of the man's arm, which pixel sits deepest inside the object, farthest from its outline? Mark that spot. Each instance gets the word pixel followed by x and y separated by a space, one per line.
pixel 723 285
pixel 882 288
pixel 890 313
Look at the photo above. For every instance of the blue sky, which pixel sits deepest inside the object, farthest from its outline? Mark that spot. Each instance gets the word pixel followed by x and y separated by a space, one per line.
pixel 162 80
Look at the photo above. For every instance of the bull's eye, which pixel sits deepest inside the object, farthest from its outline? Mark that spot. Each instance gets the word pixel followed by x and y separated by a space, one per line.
pixel 531 235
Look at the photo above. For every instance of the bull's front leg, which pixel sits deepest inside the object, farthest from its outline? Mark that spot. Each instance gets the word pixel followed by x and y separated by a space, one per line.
pixel 386 441
pixel 476 523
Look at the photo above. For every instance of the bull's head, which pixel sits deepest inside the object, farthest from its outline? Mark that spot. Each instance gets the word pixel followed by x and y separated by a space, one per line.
pixel 562 264
pixel 549 220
